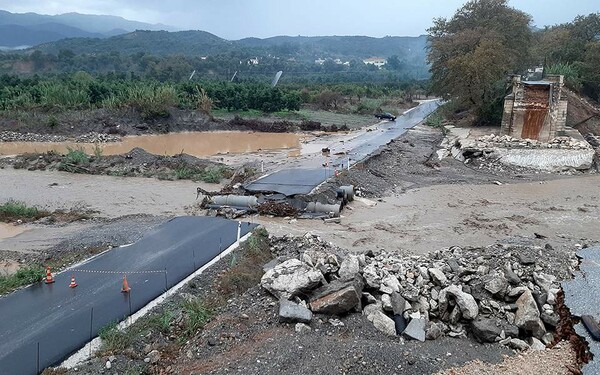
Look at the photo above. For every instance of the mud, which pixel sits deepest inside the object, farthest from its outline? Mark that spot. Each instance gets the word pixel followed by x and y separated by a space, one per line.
pixel 10 230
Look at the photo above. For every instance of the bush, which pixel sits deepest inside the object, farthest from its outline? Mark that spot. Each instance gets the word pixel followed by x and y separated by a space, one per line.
pixel 74 161
pixel 14 210
pixel 23 276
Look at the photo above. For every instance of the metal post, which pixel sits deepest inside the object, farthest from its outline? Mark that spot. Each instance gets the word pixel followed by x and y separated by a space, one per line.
pixel 91 330
pixel 348 161
pixel 166 283
pixel 38 357
pixel 194 257
pixel 129 300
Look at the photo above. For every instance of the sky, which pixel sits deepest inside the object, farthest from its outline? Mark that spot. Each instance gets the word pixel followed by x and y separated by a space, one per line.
pixel 235 19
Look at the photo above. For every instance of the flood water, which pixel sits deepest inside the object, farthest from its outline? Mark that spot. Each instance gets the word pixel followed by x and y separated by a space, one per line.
pixel 10 230
pixel 199 144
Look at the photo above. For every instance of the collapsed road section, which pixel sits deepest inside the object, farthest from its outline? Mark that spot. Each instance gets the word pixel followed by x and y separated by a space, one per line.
pixel 304 178
pixel 44 323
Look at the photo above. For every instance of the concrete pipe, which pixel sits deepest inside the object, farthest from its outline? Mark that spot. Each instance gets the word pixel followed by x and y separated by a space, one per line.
pixel 235 200
pixel 324 208
pixel 349 192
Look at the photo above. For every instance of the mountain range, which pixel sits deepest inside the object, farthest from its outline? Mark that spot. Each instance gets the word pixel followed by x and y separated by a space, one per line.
pixel 30 29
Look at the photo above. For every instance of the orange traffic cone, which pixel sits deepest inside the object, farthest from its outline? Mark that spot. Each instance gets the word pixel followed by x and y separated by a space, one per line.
pixel 49 279
pixel 125 288
pixel 73 283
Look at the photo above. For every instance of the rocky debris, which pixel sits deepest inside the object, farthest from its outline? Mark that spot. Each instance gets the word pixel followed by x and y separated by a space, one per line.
pixel 291 312
pixel 527 316
pixel 517 344
pixel 291 278
pixel 415 329
pixel 496 293
pixel 302 328
pixel 9 136
pixel 337 298
pixel 506 141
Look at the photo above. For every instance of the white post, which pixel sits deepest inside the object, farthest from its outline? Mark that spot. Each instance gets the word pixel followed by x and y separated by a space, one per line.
pixel 348 161
pixel 262 166
pixel 239 232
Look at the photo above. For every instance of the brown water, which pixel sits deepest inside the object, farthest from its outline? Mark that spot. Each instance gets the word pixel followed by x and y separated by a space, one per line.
pixel 198 144
pixel 10 230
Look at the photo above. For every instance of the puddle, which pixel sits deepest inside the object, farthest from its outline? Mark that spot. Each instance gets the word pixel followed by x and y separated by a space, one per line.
pixel 10 230
pixel 199 144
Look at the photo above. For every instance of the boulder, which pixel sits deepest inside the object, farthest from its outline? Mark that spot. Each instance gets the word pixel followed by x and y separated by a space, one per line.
pixel 465 302
pixel 337 298
pixel 349 268
pixel 434 331
pixel 410 292
pixel 382 322
pixel 527 317
pixel 398 303
pixel 517 344
pixel 496 285
pixel 488 330
pixel 544 280
pixel 386 302
pixel 291 312
pixel 291 278
pixel 438 277
pixel 371 276
pixel 389 284
pixel 302 328
pixel 536 344
pixel 416 329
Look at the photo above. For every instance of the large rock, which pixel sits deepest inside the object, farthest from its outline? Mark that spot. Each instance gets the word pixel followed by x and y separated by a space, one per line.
pixel 371 276
pixel 488 330
pixel 544 280
pixel 398 303
pixel 416 329
pixel 400 323
pixel 291 278
pixel 438 276
pixel 291 312
pixel 389 284
pixel 410 292
pixel 527 317
pixel 382 322
pixel 465 301
pixel 496 284
pixel 337 298
pixel 349 268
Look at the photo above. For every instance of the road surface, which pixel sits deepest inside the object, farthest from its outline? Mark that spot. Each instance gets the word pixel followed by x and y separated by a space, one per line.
pixel 59 320
pixel 303 179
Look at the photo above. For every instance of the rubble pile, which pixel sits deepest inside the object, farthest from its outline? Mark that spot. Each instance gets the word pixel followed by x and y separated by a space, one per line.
pixel 506 141
pixel 502 293
pixel 92 137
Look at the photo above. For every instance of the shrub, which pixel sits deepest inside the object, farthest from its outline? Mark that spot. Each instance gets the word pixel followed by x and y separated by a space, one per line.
pixel 14 210
pixel 23 276
pixel 115 339
pixel 197 315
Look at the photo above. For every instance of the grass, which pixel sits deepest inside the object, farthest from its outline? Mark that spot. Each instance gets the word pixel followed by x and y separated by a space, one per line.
pixel 115 340
pixel 24 276
pixel 15 210
pixel 74 161
pixel 212 175
pixel 435 120
pixel 198 313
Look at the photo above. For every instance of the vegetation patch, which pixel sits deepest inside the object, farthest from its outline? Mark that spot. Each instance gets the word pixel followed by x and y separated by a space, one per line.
pixel 24 276
pixel 13 210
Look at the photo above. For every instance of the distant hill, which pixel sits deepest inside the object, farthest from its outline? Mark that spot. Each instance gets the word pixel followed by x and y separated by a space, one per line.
pixel 154 42
pixel 18 29
pixel 194 43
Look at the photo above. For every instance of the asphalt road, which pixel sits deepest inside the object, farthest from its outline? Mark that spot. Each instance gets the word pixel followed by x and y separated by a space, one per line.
pixel 293 181
pixel 60 320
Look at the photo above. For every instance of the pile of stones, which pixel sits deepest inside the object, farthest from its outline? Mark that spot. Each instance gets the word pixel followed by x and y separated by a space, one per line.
pixel 8 136
pixel 97 138
pixel 506 141
pixel 501 293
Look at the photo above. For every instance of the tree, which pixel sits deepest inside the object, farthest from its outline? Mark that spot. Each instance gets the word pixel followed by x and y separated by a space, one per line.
pixel 472 54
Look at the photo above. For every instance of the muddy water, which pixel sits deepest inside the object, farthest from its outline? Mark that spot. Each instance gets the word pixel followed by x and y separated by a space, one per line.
pixel 198 144
pixel 10 230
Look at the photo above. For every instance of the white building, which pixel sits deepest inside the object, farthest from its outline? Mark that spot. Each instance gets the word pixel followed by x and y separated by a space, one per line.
pixel 377 61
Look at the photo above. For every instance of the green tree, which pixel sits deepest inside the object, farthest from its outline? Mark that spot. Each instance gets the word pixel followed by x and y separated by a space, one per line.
pixel 472 53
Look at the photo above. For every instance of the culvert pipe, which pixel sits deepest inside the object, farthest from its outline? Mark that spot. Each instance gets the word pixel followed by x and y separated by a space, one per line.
pixel 324 208
pixel 235 200
pixel 346 193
